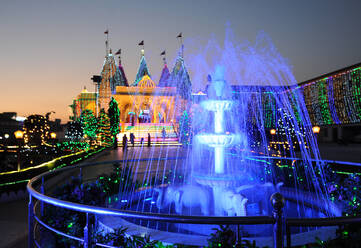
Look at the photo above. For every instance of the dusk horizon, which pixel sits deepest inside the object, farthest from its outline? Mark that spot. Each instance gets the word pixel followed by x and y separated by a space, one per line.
pixel 50 50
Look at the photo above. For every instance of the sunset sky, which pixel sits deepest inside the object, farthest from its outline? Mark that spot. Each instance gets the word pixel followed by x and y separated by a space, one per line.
pixel 49 50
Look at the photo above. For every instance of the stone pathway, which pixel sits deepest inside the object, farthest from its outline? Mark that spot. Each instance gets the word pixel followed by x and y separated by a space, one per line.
pixel 14 224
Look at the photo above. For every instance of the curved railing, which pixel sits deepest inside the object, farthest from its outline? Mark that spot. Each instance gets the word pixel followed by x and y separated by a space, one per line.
pixel 37 198
pixel 12 181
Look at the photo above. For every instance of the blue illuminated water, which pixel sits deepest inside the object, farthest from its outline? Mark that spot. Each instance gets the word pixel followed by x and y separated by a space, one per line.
pixel 230 167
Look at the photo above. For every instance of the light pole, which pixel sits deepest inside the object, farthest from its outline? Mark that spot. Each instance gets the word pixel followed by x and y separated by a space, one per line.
pixel 272 142
pixel 272 131
pixel 19 136
pixel 52 138
pixel 316 131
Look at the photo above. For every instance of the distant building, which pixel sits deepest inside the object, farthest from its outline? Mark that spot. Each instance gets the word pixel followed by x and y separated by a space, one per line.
pixel 85 100
pixel 8 125
pixel 333 102
pixel 144 101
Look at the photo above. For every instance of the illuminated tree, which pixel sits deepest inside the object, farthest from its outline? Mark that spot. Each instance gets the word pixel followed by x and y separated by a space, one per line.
pixel 113 113
pixel 185 129
pixel 104 133
pixel 89 124
pixel 36 130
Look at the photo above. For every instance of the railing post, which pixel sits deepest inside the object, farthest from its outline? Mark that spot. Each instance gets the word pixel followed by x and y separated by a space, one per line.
pixel 278 202
pixel 41 202
pixel 288 236
pixel 88 232
pixel 81 174
pixel 239 238
pixel 31 222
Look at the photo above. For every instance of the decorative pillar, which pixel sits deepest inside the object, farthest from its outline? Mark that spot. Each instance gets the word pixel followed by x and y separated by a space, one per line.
pixel 88 232
pixel 278 201
pixel 31 222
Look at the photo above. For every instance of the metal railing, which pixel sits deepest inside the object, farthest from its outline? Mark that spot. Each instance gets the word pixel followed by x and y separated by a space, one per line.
pixel 281 225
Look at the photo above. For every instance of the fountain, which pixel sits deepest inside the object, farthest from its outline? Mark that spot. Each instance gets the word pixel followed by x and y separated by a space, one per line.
pixel 252 137
pixel 231 168
pixel 218 103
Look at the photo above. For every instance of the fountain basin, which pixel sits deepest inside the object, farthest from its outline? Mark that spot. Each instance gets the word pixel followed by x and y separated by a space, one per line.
pixel 218 140
pixel 217 105
pixel 197 234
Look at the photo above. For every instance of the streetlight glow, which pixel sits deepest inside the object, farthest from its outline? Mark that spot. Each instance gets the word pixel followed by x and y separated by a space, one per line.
pixel 52 135
pixel 316 129
pixel 19 134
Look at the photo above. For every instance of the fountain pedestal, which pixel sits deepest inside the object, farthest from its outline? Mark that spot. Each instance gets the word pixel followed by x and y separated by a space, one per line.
pixel 219 140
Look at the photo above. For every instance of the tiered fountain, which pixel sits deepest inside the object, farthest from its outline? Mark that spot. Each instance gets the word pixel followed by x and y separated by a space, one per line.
pixel 229 169
pixel 218 103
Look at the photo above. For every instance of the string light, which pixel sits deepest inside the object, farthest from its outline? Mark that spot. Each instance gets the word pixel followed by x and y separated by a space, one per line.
pixel 335 99
pixel 89 124
pixel 104 134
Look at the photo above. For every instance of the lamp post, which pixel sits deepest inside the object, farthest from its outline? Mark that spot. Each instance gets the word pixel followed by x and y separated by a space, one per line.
pixel 272 131
pixel 316 131
pixel 19 136
pixel 53 135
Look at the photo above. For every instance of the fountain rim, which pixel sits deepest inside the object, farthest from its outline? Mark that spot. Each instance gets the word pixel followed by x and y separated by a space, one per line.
pixel 248 220
pixel 129 213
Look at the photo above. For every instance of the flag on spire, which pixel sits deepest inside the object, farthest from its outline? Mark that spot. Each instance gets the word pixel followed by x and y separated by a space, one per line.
pixel 106 31
pixel 141 43
pixel 163 53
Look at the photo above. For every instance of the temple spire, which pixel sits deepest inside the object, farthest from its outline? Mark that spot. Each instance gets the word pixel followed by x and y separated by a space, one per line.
pixel 123 81
pixel 164 59
pixel 142 50
pixel 180 37
pixel 106 42
pixel 179 78
pixel 119 58
pixel 143 68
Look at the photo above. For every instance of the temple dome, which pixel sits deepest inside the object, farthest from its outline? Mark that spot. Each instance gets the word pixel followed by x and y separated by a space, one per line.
pixel 146 82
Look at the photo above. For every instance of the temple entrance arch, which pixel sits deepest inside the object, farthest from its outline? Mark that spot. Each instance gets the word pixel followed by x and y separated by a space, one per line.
pixel 163 112
pixel 129 115
pixel 132 118
pixel 145 113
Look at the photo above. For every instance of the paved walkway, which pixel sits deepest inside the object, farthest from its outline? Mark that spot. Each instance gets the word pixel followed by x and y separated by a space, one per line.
pixel 13 215
pixel 350 153
pixel 14 224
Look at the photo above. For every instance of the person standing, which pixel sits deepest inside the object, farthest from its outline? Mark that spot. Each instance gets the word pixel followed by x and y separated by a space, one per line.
pixel 148 139
pixel 132 138
pixel 125 141
pixel 164 133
